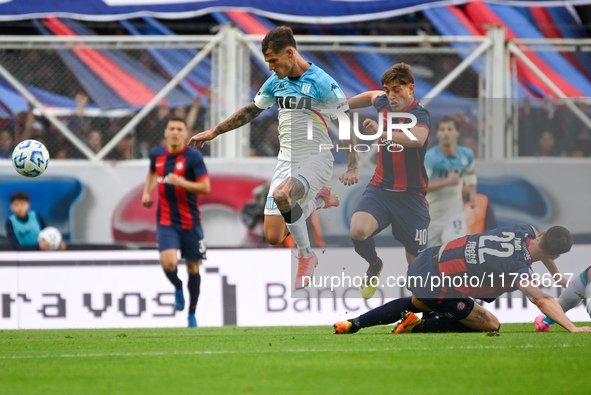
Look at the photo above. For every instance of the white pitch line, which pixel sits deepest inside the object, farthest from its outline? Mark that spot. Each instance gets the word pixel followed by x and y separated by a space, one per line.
pixel 222 352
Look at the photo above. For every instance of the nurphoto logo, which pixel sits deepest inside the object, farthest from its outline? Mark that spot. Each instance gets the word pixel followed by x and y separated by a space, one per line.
pixel 345 129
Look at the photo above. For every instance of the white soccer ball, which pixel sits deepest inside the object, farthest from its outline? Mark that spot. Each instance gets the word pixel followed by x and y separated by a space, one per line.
pixel 52 236
pixel 30 158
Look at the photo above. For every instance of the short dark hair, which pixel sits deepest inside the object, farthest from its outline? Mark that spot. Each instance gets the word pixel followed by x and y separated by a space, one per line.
pixel 177 119
pixel 557 240
pixel 278 39
pixel 19 195
pixel 399 72
pixel 449 118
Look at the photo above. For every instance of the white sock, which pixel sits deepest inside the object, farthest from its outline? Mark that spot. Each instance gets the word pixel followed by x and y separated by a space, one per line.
pixel 309 208
pixel 299 233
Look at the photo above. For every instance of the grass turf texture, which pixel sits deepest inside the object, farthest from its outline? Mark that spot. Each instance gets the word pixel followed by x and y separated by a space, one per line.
pixel 292 360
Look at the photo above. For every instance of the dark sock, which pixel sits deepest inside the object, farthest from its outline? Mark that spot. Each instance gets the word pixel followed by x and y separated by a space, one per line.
pixel 174 278
pixel 193 286
pixel 439 325
pixel 374 269
pixel 293 215
pixel 366 249
pixel 385 314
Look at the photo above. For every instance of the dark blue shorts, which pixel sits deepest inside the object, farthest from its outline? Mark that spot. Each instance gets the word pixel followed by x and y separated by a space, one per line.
pixel 448 303
pixel 407 212
pixel 189 241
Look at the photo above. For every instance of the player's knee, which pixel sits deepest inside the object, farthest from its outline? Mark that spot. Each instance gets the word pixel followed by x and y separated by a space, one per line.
pixel 358 233
pixel 274 239
pixel 169 266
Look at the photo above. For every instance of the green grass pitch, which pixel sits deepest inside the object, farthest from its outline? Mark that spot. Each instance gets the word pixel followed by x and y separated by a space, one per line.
pixel 298 360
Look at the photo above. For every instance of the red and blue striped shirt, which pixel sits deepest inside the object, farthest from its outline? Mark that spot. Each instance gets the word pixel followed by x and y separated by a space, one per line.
pixel 402 170
pixel 176 205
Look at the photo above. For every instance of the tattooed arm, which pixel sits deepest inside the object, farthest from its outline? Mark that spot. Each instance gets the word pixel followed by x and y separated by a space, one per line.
pixel 239 118
pixel 351 176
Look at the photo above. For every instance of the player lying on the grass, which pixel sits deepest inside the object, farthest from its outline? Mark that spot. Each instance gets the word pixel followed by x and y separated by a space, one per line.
pixel 577 291
pixel 446 279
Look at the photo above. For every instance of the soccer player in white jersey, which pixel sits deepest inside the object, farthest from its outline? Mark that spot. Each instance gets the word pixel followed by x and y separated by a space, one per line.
pixel 449 166
pixel 579 290
pixel 301 90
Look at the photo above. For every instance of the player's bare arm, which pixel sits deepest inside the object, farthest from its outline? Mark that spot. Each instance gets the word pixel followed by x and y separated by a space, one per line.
pixel 151 181
pixel 550 307
pixel 351 176
pixel 553 269
pixel 364 99
pixel 200 187
pixel 238 119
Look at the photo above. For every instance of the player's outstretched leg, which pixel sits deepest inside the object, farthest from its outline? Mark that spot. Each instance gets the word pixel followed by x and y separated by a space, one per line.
pixel 384 314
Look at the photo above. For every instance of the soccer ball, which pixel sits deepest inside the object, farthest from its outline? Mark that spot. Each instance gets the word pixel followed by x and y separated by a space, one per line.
pixel 30 158
pixel 52 236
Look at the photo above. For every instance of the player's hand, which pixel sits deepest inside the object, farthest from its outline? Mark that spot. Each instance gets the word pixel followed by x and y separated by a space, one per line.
pixel 147 200
pixel 201 138
pixel 582 329
pixel 563 282
pixel 371 125
pixel 453 178
pixel 472 200
pixel 44 245
pixel 62 247
pixel 174 179
pixel 350 177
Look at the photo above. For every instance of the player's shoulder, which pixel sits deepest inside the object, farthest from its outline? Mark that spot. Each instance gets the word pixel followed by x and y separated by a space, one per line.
pixel 380 100
pixel 320 78
pixel 465 151
pixel 433 152
pixel 157 151
pixel 270 83
pixel 419 109
pixel 194 153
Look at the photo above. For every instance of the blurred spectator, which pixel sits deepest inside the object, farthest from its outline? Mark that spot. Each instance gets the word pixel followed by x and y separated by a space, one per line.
pixel 546 144
pixel 6 143
pixel 470 141
pixel 149 131
pixel 94 140
pixel 123 150
pixel 79 124
pixel 527 136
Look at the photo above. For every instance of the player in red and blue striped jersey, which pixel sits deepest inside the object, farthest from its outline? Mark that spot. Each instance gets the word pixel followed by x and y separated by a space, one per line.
pixel 446 279
pixel 396 194
pixel 180 174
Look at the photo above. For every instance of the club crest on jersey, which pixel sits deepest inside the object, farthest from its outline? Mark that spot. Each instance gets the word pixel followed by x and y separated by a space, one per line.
pixel 306 88
pixel 179 166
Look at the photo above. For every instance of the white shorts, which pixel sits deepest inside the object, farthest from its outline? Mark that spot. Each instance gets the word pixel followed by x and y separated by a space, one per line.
pixel 314 173
pixel 440 234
